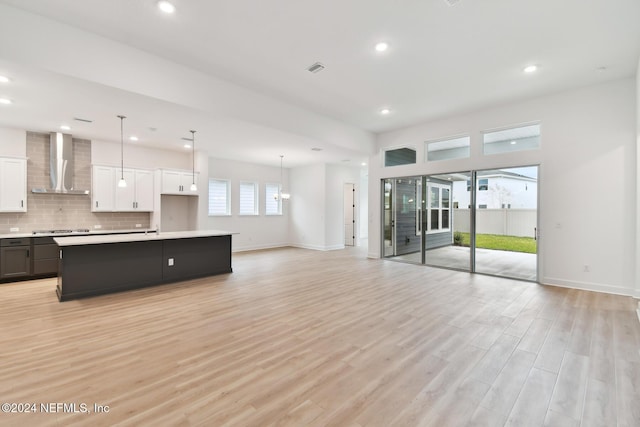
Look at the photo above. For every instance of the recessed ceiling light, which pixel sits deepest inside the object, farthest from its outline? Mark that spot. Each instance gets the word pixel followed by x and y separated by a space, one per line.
pixel 382 46
pixel 166 6
pixel 187 145
pixel 363 164
pixel 531 69
pixel 385 111
pixel 5 101
pixel 133 138
pixel 65 127
pixel 513 142
pixel 316 149
pixel 4 79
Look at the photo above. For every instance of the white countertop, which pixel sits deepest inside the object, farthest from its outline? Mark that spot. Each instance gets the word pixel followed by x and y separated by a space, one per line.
pixel 80 240
pixel 75 233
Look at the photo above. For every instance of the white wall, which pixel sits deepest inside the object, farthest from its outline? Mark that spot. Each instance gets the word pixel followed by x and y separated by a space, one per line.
pixel 255 232
pixel 308 206
pixel 108 154
pixel 317 205
pixel 638 186
pixel 13 142
pixel 336 177
pixel 587 178
pixel 363 198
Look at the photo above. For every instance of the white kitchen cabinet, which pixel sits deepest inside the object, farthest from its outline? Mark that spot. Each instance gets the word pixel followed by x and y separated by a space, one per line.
pixel 13 184
pixel 178 182
pixel 102 189
pixel 138 194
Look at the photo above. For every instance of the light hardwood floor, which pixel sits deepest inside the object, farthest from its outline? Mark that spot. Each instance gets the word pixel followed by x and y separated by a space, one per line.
pixel 298 337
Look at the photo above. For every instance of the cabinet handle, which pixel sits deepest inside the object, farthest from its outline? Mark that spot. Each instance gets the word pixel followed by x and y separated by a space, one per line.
pixel 22 203
pixel 96 203
pixel 28 252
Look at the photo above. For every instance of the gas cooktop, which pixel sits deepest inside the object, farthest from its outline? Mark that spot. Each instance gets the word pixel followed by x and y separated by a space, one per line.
pixel 77 230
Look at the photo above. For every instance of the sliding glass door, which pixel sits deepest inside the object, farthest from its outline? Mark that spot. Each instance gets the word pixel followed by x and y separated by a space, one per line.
pixel 507 222
pixel 479 221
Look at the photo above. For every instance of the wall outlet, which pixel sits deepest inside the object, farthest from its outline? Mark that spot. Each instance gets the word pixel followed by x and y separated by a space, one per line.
pixel 97 226
pixel 138 225
pixel 14 229
pixel 170 262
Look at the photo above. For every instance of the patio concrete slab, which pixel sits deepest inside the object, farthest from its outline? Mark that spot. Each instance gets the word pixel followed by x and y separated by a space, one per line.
pixel 516 265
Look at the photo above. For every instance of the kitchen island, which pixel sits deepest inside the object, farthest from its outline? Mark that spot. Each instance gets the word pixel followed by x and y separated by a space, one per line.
pixel 96 265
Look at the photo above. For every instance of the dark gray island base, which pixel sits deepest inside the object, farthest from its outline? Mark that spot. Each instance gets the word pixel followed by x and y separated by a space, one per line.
pixel 99 265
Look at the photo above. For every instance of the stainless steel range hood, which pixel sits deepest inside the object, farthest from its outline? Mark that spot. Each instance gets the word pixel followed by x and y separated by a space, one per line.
pixel 61 166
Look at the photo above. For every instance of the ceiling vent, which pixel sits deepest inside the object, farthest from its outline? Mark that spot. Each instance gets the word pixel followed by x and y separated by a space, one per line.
pixel 78 119
pixel 315 68
pixel 451 2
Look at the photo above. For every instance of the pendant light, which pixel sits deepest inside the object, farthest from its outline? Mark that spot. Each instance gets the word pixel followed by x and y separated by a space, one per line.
pixel 281 194
pixel 194 187
pixel 122 183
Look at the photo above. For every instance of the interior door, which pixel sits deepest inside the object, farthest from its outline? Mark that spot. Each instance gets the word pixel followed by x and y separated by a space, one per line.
pixel 349 215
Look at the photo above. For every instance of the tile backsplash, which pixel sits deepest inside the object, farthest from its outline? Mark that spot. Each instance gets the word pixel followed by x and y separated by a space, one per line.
pixel 62 211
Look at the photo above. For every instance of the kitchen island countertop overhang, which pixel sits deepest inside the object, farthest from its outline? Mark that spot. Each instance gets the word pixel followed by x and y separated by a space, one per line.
pixel 96 265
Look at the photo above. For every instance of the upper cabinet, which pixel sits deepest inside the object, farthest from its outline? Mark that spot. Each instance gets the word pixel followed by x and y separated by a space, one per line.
pixel 102 189
pixel 178 182
pixel 108 197
pixel 138 194
pixel 13 184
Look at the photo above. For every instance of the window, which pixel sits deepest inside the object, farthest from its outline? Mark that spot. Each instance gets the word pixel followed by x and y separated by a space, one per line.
pixel 438 215
pixel 248 198
pixel 514 139
pixel 455 148
pixel 483 184
pixel 271 205
pixel 399 156
pixel 219 199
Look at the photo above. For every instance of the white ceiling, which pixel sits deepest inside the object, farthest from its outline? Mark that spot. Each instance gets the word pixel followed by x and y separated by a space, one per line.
pixel 257 101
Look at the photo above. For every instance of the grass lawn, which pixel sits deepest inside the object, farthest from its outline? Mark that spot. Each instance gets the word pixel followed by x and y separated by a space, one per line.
pixel 503 243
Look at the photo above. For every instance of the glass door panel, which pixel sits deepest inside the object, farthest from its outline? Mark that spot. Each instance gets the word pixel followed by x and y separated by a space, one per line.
pixel 387 218
pixel 447 212
pixel 402 218
pixel 507 222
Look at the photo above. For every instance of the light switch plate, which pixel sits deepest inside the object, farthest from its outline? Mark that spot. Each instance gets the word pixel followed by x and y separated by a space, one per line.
pixel 170 262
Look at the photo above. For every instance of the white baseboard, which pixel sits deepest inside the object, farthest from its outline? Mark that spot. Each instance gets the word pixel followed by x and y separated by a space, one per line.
pixel 259 247
pixel 587 286
pixel 317 247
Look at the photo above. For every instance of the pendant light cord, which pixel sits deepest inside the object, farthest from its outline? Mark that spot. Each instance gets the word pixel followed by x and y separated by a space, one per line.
pixel 193 157
pixel 122 146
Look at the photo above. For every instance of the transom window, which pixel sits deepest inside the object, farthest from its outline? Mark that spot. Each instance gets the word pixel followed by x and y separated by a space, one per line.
pixel 399 156
pixel 514 139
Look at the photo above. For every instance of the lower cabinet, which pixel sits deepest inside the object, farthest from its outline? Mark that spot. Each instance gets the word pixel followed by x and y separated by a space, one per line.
pixel 15 258
pixel 45 256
